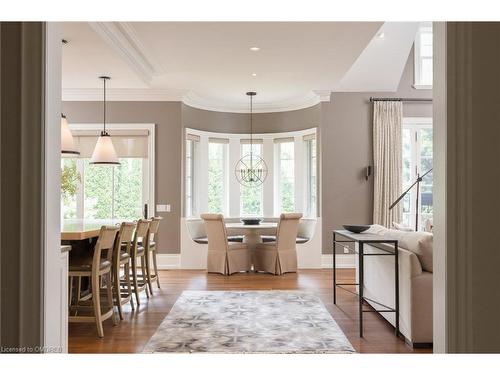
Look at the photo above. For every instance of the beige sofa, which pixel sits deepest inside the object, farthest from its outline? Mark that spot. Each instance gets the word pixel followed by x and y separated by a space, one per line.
pixel 415 282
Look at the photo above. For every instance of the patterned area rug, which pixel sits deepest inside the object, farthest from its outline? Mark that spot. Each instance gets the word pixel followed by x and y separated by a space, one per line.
pixel 248 322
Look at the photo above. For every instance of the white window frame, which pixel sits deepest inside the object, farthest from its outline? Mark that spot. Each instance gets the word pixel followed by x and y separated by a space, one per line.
pixel 270 203
pixel 415 124
pixel 148 183
pixel 425 27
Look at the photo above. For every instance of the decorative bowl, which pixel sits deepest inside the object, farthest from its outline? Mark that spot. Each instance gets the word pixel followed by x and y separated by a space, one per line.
pixel 251 221
pixel 356 228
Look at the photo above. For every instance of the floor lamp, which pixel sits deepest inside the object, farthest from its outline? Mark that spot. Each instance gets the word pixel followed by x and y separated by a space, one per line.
pixel 417 182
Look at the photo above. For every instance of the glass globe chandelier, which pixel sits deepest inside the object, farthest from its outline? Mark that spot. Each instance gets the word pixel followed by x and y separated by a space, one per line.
pixel 251 170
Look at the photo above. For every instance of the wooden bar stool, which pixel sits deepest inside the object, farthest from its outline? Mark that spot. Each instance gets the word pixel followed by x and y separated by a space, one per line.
pixel 140 281
pixel 95 268
pixel 122 286
pixel 151 253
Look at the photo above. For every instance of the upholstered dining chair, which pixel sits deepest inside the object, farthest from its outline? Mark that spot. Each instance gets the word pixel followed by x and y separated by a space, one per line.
pixel 122 286
pixel 95 267
pixel 223 257
pixel 138 253
pixel 150 246
pixel 280 256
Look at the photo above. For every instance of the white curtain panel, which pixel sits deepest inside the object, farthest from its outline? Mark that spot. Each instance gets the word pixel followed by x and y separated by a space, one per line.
pixel 387 157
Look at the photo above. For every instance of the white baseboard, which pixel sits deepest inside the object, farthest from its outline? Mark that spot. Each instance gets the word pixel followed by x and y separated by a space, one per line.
pixel 342 261
pixel 173 261
pixel 169 261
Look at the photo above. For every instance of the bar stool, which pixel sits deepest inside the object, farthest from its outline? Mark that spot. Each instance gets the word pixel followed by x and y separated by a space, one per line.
pixel 140 281
pixel 95 268
pixel 151 253
pixel 122 286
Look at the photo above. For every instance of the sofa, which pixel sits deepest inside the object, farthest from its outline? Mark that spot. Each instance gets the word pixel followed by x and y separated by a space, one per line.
pixel 415 282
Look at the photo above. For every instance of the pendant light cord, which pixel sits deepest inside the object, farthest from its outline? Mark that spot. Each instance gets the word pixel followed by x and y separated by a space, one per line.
pixel 104 106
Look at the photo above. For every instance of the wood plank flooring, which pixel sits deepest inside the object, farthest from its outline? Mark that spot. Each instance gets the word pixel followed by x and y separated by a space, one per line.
pixel 132 334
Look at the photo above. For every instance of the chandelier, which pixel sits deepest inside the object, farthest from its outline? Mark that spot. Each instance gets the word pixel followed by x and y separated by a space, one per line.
pixel 251 169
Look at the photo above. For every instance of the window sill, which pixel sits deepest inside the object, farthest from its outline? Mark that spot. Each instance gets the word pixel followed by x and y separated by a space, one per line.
pixel 422 87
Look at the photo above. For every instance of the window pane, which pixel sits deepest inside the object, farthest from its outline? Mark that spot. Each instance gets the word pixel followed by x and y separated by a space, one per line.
pixel 286 176
pixel 426 198
pixel 251 197
pixel 311 177
pixel 189 167
pixel 98 187
pixel 70 180
pixel 407 174
pixel 216 177
pixel 426 71
pixel 128 189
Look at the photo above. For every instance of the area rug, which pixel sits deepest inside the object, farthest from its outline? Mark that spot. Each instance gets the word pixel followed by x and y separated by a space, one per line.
pixel 248 322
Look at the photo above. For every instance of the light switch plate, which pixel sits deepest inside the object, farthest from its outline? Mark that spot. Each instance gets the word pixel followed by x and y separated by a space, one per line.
pixel 162 208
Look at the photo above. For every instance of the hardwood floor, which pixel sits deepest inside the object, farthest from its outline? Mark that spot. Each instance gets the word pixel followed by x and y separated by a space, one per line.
pixel 131 334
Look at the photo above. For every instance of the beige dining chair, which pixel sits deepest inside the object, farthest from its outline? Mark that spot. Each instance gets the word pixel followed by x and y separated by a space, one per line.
pixel 150 246
pixel 122 286
pixel 139 280
pixel 223 257
pixel 280 256
pixel 96 268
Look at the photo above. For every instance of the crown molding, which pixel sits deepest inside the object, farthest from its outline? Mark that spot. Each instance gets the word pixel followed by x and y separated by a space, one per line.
pixel 191 99
pixel 122 37
pixel 122 95
pixel 310 99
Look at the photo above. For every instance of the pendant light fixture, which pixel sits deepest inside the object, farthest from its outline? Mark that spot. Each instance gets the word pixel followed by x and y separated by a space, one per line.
pixel 104 151
pixel 67 140
pixel 251 169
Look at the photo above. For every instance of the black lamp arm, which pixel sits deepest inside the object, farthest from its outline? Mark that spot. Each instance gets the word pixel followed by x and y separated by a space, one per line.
pixel 418 180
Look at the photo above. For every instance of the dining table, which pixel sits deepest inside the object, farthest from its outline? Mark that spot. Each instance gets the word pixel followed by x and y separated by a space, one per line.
pixel 252 232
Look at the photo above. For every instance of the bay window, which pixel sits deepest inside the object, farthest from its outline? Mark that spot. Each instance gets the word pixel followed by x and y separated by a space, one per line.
pixel 210 183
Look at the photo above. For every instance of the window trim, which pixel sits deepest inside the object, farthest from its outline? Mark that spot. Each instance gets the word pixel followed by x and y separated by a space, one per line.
pixel 151 128
pixel 424 27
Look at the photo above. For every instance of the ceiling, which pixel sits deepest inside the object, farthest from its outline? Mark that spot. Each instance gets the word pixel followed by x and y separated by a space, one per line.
pixel 210 65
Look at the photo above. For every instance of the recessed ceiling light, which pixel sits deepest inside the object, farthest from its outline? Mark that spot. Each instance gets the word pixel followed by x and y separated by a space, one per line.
pixel 381 35
pixel 255 49
pixel 254 74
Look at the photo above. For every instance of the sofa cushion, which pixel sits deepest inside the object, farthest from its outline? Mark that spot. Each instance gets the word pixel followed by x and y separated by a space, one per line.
pixel 419 243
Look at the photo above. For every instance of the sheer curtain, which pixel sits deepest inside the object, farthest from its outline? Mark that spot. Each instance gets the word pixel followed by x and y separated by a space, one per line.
pixel 387 158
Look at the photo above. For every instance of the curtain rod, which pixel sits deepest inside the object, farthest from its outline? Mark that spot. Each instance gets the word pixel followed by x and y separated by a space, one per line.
pixel 372 99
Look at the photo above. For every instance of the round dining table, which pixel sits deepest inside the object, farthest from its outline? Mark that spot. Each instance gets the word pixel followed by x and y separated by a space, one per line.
pixel 251 233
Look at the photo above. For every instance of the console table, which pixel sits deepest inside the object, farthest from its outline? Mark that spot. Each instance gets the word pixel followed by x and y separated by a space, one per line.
pixel 361 239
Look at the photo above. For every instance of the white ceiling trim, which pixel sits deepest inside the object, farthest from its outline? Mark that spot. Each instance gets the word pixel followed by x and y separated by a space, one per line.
pixel 122 95
pixel 310 99
pixel 123 39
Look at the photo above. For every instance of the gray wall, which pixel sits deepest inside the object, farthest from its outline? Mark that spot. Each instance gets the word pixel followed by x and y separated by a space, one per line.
pixel 167 117
pixel 276 122
pixel 346 144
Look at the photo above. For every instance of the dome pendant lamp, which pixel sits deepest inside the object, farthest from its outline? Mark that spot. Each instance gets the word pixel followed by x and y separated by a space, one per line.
pixel 251 170
pixel 67 140
pixel 104 151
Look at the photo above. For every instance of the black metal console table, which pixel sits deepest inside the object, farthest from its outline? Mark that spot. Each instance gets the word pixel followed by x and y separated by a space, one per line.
pixel 362 239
